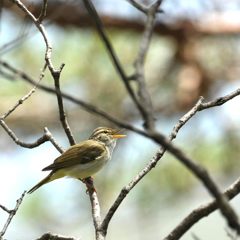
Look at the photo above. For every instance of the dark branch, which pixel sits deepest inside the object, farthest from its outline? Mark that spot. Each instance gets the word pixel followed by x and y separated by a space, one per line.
pixel 204 177
pixel 100 28
pixel 50 236
pixel 201 212
pixel 62 113
pixel 151 164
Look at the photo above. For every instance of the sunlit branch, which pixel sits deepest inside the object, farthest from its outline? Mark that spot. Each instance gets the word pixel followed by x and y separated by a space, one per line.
pixel 11 214
pixel 54 72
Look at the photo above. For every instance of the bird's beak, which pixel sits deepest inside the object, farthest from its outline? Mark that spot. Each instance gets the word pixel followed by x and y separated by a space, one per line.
pixel 118 135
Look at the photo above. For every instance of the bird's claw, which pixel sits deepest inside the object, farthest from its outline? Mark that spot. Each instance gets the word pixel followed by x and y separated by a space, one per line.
pixel 89 184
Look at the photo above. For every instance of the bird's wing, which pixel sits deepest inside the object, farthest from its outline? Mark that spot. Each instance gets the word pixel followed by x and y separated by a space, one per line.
pixel 81 153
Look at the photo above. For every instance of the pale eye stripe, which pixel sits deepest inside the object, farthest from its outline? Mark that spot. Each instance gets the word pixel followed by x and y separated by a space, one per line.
pixel 101 130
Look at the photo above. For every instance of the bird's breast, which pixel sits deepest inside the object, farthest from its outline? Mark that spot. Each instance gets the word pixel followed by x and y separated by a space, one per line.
pixel 90 168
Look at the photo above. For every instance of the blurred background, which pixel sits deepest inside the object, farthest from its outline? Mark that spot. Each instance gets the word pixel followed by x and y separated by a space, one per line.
pixel 194 52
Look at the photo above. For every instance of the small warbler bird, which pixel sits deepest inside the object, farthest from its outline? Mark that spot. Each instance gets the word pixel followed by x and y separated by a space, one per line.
pixel 83 159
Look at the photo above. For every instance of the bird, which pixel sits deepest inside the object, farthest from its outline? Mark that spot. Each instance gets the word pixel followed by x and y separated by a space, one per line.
pixel 84 159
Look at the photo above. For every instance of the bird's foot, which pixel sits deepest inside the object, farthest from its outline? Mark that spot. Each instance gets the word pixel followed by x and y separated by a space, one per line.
pixel 89 184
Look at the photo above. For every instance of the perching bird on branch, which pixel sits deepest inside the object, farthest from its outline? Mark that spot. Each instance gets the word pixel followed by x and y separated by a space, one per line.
pixel 83 159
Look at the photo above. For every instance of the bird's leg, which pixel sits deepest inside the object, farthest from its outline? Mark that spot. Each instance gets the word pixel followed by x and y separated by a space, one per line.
pixel 89 184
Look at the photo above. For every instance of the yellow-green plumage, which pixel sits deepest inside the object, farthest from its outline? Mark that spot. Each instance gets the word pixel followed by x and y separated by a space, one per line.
pixel 84 159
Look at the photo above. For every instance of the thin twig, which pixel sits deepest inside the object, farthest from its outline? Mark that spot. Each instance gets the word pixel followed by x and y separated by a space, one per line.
pixel 24 98
pixel 202 174
pixel 141 7
pixel 19 102
pixel 38 142
pixel 56 76
pixel 196 169
pixel 183 120
pixel 86 106
pixel 143 94
pixel 100 28
pixel 220 101
pixel 11 214
pixel 47 136
pixel 151 164
pixel 95 110
pixel 43 11
pixel 62 113
pixel 50 138
pixel 54 72
pixel 43 32
pixel 5 209
pixel 201 212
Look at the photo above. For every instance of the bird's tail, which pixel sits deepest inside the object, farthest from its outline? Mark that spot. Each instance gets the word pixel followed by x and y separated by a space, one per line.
pixel 47 179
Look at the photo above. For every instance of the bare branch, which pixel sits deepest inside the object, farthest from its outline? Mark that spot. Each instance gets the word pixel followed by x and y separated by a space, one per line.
pixel 201 212
pixel 11 214
pixel 20 101
pixel 183 120
pixel 221 100
pixel 151 164
pixel 138 6
pixel 50 138
pixel 204 177
pixel 38 142
pixel 62 113
pixel 5 209
pixel 196 169
pixel 95 110
pixel 141 7
pixel 55 73
pixel 56 76
pixel 87 106
pixel 100 28
pixel 165 144
pixel 24 98
pixel 42 31
pixel 143 94
pixel 50 236
pixel 43 11
pixel 47 136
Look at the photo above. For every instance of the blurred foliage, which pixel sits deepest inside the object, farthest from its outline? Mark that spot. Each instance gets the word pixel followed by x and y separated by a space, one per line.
pixel 89 75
